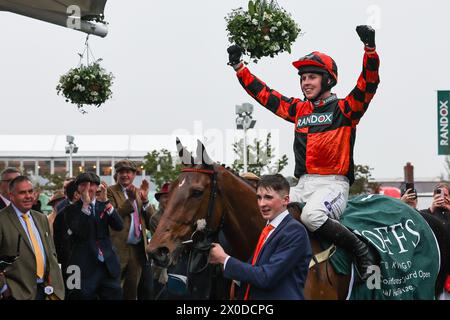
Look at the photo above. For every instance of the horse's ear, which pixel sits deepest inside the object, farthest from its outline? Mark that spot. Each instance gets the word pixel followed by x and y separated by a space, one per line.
pixel 202 156
pixel 185 156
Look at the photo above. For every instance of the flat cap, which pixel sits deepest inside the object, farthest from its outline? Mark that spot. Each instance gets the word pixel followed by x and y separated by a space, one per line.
pixel 58 195
pixel 87 177
pixel 124 165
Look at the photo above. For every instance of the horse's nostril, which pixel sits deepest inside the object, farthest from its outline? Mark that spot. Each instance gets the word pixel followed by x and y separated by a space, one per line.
pixel 160 256
pixel 163 251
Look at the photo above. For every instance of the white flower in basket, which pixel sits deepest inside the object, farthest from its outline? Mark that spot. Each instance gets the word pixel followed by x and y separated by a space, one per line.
pixel 79 85
pixel 250 29
pixel 87 84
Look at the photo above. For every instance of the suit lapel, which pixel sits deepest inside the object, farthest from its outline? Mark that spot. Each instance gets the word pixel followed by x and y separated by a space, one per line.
pixel 99 211
pixel 274 234
pixel 122 197
pixel 2 203
pixel 16 223
pixel 118 189
pixel 120 194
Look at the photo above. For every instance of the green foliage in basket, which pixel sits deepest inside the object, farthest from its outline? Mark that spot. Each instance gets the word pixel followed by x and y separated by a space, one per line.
pixel 86 85
pixel 265 29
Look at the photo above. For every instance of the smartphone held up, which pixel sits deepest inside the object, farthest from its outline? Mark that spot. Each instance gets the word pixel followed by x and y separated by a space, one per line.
pixel 409 187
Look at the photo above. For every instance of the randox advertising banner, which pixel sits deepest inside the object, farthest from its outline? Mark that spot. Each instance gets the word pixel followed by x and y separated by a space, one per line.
pixel 442 123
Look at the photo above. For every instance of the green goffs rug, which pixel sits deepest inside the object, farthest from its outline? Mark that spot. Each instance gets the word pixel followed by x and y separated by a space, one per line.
pixel 408 249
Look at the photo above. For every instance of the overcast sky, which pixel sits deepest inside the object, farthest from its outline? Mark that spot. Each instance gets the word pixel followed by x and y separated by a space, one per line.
pixel 169 59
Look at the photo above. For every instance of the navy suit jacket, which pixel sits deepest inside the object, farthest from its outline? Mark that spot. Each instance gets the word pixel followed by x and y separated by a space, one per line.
pixel 87 233
pixel 282 266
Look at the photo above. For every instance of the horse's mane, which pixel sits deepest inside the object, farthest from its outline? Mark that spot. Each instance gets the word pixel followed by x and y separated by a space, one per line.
pixel 230 170
pixel 224 166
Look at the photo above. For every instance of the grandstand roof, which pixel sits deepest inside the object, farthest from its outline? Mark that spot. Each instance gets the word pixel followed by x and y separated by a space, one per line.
pixel 88 145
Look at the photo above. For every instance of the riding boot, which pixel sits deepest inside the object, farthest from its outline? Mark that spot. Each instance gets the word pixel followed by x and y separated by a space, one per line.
pixel 337 233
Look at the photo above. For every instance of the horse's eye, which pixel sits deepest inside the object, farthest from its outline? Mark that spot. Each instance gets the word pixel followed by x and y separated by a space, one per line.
pixel 197 193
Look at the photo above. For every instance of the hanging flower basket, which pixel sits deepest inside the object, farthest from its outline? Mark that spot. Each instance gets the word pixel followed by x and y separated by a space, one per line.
pixel 86 85
pixel 264 30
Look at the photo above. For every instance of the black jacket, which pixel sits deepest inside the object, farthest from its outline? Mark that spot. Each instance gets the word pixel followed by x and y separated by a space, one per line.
pixel 442 215
pixel 89 233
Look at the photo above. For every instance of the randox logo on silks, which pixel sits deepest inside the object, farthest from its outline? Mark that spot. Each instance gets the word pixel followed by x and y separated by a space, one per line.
pixel 315 119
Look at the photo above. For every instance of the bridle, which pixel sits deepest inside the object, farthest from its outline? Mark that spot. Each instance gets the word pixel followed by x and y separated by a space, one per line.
pixel 198 274
pixel 212 197
pixel 201 240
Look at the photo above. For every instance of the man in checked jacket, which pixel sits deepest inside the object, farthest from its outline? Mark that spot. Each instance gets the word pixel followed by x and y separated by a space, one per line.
pixel 325 130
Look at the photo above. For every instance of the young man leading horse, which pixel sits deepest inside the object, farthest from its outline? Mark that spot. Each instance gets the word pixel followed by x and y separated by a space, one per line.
pixel 325 131
pixel 279 264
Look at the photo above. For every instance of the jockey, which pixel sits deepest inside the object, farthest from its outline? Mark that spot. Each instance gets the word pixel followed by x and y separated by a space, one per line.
pixel 325 130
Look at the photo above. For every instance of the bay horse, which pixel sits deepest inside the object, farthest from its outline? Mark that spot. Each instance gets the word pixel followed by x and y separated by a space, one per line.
pixel 208 191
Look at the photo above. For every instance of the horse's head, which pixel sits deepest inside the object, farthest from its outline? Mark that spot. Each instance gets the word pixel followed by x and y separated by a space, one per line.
pixel 195 208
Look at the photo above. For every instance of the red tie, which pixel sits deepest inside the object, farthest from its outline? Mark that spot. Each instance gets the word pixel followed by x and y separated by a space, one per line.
pixel 262 238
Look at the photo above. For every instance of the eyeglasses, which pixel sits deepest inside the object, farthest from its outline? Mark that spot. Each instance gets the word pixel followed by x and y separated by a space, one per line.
pixel 6 180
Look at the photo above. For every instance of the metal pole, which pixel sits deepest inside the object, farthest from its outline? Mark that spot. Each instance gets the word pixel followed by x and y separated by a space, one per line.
pixel 245 143
pixel 70 160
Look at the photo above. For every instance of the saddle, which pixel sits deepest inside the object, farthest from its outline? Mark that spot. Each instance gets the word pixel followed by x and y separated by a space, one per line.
pixel 295 209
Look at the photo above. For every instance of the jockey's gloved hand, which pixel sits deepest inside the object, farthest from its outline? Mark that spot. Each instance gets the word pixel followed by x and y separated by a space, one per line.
pixel 367 35
pixel 235 56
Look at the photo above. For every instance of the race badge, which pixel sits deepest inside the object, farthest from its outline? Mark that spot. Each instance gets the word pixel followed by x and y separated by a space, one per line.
pixel 334 206
pixel 48 290
pixel 328 206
